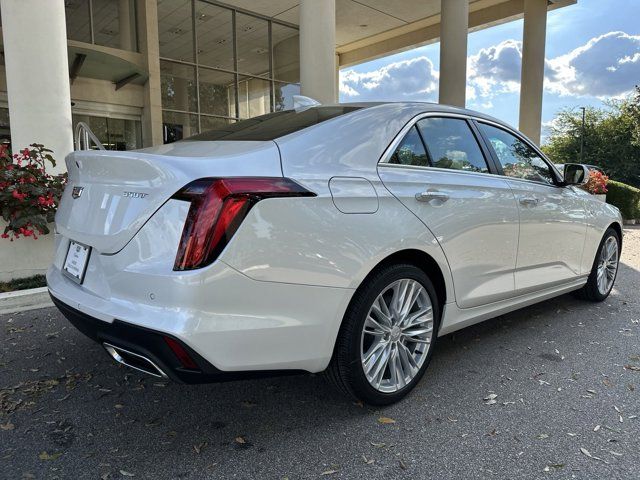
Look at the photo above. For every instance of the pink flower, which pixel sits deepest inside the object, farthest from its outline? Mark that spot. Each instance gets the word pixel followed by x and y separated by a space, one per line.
pixel 18 196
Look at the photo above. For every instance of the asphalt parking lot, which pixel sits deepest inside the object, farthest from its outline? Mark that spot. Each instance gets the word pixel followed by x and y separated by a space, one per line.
pixel 551 391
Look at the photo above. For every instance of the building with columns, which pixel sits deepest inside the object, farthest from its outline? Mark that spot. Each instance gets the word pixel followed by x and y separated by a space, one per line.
pixel 147 72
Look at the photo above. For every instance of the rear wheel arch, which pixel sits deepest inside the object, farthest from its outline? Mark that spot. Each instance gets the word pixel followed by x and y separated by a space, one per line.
pixel 618 228
pixel 424 262
pixel 420 259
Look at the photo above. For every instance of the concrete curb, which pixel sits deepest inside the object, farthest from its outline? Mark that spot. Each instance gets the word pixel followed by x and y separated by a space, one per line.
pixel 23 300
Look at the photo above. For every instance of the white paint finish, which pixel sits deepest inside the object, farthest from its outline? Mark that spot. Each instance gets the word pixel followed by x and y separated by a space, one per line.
pixel 208 308
pixel 599 217
pixel 454 25
pixel 477 227
pixel 308 241
pixel 455 318
pixel 105 219
pixel 317 50
pixel 37 75
pixel 552 234
pixel 348 145
pixel 353 195
pixel 276 296
pixel 531 86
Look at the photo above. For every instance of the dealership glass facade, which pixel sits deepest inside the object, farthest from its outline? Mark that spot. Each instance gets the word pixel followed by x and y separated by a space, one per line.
pixel 110 23
pixel 219 65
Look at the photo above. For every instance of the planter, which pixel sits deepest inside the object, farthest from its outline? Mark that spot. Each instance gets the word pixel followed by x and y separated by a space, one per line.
pixel 601 196
pixel 25 257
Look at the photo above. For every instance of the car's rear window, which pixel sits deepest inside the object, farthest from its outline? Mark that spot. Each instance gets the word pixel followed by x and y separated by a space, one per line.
pixel 274 125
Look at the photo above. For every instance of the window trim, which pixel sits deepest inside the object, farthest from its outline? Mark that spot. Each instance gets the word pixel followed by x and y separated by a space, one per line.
pixel 427 154
pixel 557 178
pixel 391 148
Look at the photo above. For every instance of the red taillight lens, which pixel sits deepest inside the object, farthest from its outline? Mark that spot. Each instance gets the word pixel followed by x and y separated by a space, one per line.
pixel 218 206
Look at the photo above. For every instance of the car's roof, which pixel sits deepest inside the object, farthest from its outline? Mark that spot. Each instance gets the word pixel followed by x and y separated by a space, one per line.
pixel 428 107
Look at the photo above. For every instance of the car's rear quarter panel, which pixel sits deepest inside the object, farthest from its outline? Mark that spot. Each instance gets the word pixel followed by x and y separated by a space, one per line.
pixel 310 240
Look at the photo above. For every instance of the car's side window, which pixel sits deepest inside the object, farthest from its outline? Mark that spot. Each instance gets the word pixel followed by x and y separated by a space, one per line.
pixel 518 159
pixel 451 144
pixel 411 151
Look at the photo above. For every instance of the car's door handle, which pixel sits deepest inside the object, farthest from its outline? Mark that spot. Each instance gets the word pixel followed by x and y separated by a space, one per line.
pixel 432 195
pixel 529 201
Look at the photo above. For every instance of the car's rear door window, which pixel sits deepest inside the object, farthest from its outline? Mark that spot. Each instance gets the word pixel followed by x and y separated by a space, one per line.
pixel 518 159
pixel 451 144
pixel 275 125
pixel 411 151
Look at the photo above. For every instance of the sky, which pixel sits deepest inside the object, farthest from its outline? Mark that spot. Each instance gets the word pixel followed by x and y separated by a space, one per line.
pixel 592 54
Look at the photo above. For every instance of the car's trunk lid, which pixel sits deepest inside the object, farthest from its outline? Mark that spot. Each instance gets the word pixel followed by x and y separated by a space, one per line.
pixel 110 195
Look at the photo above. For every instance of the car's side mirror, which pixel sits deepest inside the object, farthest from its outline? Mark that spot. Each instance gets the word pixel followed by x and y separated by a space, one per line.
pixel 576 174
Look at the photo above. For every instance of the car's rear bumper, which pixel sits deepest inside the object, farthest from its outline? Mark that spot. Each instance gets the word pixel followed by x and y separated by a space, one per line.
pixel 151 345
pixel 230 322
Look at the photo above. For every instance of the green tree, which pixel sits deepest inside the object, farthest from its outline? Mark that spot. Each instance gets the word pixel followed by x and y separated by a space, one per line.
pixel 611 140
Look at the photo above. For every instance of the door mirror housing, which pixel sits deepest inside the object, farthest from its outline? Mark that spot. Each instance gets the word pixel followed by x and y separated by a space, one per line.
pixel 576 174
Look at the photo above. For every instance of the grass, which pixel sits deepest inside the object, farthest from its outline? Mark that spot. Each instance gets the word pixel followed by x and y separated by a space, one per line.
pixel 23 283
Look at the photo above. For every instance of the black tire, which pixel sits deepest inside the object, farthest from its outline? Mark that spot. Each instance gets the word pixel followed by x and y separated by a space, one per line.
pixel 590 291
pixel 345 370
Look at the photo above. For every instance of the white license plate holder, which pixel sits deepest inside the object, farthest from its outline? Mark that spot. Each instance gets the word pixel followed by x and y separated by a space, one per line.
pixel 76 261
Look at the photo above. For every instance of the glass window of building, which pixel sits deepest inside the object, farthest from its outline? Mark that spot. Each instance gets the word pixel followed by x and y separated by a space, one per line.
pixel 178 87
pixel 219 65
pixel 111 23
pixel 214 34
pixel 217 92
pixel 113 133
pixel 252 36
pixel 175 29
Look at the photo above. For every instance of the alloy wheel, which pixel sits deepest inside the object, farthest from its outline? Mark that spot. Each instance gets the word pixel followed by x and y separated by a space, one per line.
pixel 396 336
pixel 607 265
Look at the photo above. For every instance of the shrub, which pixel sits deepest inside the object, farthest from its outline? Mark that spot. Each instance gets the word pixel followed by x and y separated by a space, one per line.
pixel 625 197
pixel 28 194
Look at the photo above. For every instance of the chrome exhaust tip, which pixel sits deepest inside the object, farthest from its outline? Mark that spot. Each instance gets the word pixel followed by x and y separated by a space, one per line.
pixel 134 360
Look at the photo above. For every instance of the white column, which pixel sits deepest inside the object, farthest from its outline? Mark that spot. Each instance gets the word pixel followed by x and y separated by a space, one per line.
pixel 532 83
pixel 454 25
pixel 317 50
pixel 37 70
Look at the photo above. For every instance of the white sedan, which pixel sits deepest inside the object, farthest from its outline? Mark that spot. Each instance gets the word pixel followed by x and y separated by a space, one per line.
pixel 342 239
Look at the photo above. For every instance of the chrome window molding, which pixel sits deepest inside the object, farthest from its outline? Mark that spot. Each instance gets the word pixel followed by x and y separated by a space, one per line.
pixel 437 169
pixel 389 151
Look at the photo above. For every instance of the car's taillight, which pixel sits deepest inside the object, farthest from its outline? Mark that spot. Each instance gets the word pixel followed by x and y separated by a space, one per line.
pixel 218 206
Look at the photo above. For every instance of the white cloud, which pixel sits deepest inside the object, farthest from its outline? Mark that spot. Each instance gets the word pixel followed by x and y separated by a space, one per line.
pixel 495 70
pixel 606 66
pixel 413 79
